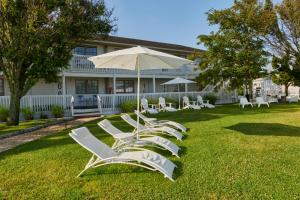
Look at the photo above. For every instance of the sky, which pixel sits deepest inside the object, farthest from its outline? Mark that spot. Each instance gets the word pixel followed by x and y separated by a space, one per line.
pixel 171 21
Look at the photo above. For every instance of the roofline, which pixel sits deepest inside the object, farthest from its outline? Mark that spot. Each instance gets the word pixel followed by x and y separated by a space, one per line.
pixel 135 42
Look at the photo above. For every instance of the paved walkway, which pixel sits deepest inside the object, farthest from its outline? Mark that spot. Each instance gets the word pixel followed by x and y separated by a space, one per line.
pixel 11 142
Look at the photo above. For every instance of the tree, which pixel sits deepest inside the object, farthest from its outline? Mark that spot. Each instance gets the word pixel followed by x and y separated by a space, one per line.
pixel 234 53
pixel 283 74
pixel 281 29
pixel 37 38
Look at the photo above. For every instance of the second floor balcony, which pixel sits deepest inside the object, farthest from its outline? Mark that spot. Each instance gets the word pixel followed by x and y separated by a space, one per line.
pixel 80 63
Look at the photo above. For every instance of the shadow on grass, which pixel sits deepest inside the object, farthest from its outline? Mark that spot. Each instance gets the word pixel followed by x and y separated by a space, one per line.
pixel 266 129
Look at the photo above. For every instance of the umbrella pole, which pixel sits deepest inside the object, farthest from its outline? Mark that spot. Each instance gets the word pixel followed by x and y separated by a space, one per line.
pixel 138 98
pixel 178 96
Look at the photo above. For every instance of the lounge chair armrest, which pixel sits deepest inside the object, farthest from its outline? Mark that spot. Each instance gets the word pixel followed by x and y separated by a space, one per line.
pixel 170 104
pixel 207 101
pixel 153 106
pixel 150 119
pixel 194 102
pixel 124 136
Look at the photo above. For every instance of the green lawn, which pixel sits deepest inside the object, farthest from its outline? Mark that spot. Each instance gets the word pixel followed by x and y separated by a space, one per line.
pixel 228 153
pixel 4 129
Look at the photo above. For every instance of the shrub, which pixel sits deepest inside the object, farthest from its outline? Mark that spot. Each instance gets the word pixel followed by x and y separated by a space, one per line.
pixel 3 114
pixel 43 116
pixel 28 113
pixel 211 97
pixel 128 106
pixel 57 111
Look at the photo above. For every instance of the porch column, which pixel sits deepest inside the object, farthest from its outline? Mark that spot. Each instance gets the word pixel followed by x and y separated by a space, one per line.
pixel 64 90
pixel 114 85
pixel 153 81
pixel 114 92
pixel 186 85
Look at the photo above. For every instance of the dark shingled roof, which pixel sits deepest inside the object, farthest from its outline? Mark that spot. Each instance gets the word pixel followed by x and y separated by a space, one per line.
pixel 122 41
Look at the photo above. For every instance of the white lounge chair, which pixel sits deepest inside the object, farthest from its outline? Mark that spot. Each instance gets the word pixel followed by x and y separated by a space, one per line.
pixel 292 99
pixel 153 122
pixel 145 107
pixel 104 155
pixel 261 101
pixel 203 103
pixel 244 102
pixel 152 130
pixel 127 140
pixel 162 105
pixel 187 105
pixel 272 100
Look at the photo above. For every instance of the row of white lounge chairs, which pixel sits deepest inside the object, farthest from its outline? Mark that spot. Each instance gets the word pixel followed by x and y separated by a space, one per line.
pixel 130 148
pixel 259 101
pixel 164 106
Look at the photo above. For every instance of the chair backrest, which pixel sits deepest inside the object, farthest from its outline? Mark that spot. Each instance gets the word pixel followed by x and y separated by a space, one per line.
pixel 83 137
pixel 131 121
pixel 200 99
pixel 144 103
pixel 186 101
pixel 109 128
pixel 162 102
pixel 243 100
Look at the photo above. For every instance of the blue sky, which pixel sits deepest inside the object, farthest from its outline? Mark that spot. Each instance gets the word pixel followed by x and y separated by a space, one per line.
pixel 172 21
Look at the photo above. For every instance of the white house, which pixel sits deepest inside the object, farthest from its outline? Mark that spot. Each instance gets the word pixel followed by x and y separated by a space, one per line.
pixel 266 87
pixel 85 84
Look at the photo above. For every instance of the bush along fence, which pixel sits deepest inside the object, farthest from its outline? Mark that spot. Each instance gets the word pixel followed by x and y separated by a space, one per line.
pixel 36 106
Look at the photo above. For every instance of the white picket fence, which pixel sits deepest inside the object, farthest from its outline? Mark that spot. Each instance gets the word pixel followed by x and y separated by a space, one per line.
pixel 110 103
pixel 41 103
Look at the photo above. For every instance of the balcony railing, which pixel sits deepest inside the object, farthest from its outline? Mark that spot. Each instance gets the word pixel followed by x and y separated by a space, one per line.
pixel 80 63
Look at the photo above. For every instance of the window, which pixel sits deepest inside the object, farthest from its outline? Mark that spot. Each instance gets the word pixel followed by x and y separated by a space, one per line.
pixel 86 86
pixel 90 51
pixel 1 87
pixel 125 86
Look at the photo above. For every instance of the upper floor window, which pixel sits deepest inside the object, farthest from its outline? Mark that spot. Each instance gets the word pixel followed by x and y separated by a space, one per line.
pixel 90 51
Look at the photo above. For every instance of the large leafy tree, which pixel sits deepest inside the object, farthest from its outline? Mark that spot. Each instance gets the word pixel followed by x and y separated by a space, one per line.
pixel 37 37
pixel 280 30
pixel 234 53
pixel 283 74
pixel 279 27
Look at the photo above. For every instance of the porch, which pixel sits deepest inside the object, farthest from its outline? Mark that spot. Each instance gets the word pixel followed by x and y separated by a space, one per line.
pixel 86 90
pixel 105 103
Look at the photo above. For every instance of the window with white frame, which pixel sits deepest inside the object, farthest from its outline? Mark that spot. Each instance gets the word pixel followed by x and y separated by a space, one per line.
pixel 90 51
pixel 124 86
pixel 84 86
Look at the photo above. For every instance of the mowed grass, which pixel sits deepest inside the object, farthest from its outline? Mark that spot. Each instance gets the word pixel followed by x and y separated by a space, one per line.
pixel 4 129
pixel 228 153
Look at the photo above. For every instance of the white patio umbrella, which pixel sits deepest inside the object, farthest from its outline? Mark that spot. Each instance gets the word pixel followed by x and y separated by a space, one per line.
pixel 138 58
pixel 177 81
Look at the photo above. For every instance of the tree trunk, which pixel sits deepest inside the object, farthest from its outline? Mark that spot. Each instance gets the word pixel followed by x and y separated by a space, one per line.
pixel 14 110
pixel 251 90
pixel 286 87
